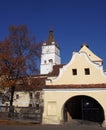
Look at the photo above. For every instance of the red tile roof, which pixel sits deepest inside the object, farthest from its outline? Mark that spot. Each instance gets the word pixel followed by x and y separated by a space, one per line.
pixel 56 69
pixel 31 85
pixel 76 86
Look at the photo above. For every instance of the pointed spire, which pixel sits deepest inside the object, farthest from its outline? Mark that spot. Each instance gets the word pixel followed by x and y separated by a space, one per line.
pixel 51 36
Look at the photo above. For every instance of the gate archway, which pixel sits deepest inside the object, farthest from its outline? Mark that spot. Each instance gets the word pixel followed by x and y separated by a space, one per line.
pixel 83 108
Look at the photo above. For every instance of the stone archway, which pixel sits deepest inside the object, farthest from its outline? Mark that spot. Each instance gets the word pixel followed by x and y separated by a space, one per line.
pixel 83 108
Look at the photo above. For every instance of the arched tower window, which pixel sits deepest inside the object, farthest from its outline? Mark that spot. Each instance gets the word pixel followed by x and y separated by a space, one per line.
pixel 50 60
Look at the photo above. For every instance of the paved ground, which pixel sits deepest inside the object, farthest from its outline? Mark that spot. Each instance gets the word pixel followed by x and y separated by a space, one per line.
pixel 78 126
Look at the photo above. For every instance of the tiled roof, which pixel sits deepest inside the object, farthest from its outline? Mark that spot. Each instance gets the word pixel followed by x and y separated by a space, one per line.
pixel 76 86
pixel 38 82
pixel 33 84
pixel 55 71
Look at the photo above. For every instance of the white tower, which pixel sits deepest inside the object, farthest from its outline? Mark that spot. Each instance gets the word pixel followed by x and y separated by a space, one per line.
pixel 50 55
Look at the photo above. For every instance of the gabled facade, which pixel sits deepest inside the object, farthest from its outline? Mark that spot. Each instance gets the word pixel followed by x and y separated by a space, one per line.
pixel 84 68
pixel 78 91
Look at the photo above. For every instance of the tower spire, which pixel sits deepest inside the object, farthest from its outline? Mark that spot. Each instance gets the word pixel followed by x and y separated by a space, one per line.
pixel 51 37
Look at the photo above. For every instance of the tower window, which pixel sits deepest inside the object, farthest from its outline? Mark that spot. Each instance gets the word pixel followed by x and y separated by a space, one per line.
pixel 51 61
pixel 87 71
pixel 74 71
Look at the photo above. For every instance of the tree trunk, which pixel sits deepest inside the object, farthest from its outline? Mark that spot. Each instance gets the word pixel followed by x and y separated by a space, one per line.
pixel 11 108
pixel 12 90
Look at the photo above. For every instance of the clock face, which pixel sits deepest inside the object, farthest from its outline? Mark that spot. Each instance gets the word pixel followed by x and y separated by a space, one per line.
pixel 45 50
pixel 50 49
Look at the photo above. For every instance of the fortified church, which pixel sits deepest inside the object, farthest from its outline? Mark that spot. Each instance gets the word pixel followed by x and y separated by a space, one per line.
pixel 76 90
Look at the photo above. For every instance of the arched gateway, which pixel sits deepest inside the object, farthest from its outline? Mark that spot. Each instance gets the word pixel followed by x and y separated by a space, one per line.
pixel 83 108
pixel 76 90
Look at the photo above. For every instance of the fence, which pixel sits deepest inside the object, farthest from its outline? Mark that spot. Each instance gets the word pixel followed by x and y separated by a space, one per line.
pixel 21 113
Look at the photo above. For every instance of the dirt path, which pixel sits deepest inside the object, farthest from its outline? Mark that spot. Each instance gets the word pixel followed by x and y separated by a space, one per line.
pixel 51 127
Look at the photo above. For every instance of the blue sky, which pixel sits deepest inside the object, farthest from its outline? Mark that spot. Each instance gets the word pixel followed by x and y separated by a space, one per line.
pixel 74 22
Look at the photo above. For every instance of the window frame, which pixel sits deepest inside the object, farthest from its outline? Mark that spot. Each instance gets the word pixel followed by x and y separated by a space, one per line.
pixel 17 96
pixel 87 71
pixel 31 95
pixel 74 71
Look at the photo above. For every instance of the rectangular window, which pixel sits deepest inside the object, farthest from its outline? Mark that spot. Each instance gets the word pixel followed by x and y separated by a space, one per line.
pixel 87 71
pixel 30 95
pixel 17 96
pixel 74 71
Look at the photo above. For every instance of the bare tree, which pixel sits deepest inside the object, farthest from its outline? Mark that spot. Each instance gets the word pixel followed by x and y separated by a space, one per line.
pixel 18 58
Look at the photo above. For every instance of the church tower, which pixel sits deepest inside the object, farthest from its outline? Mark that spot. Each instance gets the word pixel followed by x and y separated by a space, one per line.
pixel 50 55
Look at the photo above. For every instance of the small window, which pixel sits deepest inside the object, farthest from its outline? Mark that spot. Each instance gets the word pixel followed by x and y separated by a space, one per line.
pixel 87 71
pixel 74 71
pixel 37 95
pixel 17 96
pixel 37 105
pixel 51 61
pixel 30 95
